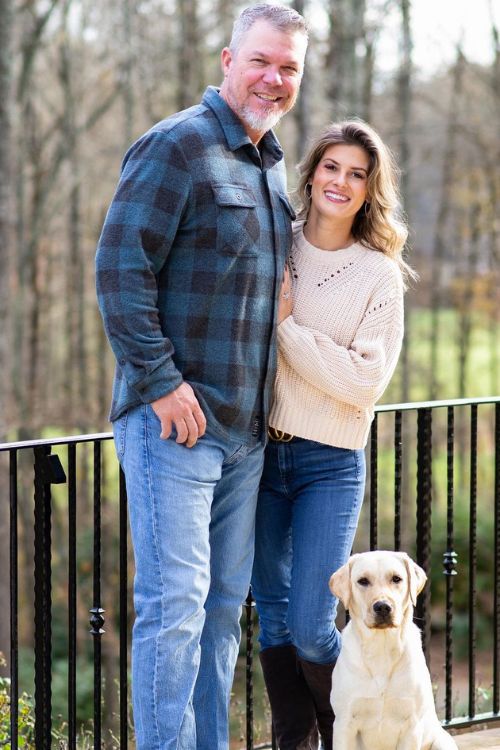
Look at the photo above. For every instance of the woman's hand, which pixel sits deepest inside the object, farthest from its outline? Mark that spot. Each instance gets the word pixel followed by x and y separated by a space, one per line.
pixel 285 301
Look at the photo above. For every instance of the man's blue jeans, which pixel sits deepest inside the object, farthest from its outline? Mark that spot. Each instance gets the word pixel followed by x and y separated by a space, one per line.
pixel 308 508
pixel 192 516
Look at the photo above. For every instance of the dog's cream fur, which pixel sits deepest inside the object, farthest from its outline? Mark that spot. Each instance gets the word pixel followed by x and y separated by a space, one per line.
pixel 381 688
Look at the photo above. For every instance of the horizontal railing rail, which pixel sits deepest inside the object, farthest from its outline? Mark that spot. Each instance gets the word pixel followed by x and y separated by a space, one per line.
pixel 433 487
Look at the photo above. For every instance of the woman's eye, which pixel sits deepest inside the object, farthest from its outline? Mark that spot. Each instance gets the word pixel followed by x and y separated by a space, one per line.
pixel 358 175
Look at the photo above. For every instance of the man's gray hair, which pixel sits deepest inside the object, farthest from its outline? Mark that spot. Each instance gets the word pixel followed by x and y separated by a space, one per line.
pixel 281 17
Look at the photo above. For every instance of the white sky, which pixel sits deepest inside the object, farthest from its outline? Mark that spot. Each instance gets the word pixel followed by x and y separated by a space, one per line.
pixel 437 27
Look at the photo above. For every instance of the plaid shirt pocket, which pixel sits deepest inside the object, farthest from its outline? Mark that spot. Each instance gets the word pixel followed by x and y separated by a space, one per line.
pixel 238 227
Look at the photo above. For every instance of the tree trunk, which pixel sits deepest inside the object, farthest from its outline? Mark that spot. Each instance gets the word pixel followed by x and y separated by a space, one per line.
pixel 347 29
pixel 302 110
pixel 467 292
pixel 439 250
pixel 494 233
pixel 404 107
pixel 6 35
pixel 189 55
pixel 128 90
pixel 75 271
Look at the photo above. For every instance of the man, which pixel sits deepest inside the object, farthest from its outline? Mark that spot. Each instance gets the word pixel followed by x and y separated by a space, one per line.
pixel 188 273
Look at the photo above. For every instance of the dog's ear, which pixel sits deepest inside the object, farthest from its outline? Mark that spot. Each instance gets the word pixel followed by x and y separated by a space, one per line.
pixel 340 584
pixel 416 579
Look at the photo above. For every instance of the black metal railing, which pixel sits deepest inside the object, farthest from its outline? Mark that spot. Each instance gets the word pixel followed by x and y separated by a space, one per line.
pixel 433 483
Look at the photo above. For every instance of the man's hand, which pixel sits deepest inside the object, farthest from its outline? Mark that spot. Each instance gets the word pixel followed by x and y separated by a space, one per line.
pixel 285 300
pixel 182 410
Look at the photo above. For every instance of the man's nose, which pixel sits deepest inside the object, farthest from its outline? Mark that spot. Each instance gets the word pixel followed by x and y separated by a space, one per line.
pixel 273 76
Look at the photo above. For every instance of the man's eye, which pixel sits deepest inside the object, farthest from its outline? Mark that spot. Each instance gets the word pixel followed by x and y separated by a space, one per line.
pixel 396 579
pixel 363 582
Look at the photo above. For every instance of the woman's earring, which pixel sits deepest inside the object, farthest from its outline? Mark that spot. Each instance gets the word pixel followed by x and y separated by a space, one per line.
pixel 309 188
pixel 367 208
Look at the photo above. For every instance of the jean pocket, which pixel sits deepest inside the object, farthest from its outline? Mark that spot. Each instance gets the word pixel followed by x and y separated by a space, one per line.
pixel 120 432
pixel 238 229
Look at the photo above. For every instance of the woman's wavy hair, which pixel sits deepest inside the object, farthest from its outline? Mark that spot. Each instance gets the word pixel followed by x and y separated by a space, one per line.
pixel 378 224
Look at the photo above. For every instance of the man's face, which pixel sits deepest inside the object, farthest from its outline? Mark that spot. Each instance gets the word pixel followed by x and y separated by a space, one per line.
pixel 262 79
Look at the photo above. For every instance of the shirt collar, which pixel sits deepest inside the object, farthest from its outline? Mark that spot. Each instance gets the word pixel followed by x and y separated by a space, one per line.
pixel 233 129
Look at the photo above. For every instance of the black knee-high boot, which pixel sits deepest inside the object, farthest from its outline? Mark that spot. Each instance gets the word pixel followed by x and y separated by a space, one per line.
pixel 319 681
pixel 292 706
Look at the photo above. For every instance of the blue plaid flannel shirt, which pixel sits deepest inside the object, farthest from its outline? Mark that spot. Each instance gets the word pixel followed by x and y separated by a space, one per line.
pixel 189 265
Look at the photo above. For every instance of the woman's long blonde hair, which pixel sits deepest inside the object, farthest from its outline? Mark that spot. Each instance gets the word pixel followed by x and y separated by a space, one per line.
pixel 378 224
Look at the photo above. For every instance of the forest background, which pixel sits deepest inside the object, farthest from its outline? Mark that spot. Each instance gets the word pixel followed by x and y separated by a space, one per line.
pixel 80 80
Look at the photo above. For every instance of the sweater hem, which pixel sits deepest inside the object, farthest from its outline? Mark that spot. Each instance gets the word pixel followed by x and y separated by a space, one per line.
pixel 312 426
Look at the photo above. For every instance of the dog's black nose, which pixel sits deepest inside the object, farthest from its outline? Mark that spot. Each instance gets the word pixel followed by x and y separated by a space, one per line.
pixel 382 609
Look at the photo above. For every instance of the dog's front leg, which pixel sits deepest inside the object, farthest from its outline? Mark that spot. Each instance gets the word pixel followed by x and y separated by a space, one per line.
pixel 444 741
pixel 410 739
pixel 345 734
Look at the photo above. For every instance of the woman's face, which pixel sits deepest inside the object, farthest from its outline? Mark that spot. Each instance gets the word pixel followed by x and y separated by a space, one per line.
pixel 339 183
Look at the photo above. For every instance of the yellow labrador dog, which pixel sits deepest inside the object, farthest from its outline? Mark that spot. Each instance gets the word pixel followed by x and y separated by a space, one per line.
pixel 382 693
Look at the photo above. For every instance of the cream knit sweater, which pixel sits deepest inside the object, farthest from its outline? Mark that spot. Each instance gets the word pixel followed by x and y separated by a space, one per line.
pixel 338 350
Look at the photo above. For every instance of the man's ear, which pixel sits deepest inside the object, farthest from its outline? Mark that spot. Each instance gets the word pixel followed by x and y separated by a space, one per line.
pixel 416 578
pixel 340 584
pixel 226 57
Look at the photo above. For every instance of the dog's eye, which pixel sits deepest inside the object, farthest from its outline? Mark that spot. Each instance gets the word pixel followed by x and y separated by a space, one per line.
pixel 396 579
pixel 363 582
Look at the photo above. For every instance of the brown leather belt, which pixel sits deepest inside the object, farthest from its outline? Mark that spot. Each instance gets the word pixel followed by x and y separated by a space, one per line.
pixel 278 436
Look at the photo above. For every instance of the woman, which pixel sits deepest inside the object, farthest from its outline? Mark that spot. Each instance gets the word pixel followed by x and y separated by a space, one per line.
pixel 339 334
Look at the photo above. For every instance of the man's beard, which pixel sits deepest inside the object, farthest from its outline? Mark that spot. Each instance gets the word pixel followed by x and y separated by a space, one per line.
pixel 260 121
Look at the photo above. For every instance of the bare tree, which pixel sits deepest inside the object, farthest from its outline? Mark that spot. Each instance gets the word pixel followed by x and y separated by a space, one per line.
pixel 127 64
pixel 76 380
pixel 302 111
pixel 190 75
pixel 404 93
pixel 494 204
pixel 6 35
pixel 343 63
pixel 440 235
pixel 466 292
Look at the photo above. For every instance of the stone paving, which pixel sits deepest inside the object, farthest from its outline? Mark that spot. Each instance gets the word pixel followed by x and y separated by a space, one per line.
pixel 488 739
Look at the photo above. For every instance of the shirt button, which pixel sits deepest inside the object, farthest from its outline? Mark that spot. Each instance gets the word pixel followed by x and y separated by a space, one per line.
pixel 238 196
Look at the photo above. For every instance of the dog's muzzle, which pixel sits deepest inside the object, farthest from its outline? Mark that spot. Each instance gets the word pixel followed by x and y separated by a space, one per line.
pixel 382 612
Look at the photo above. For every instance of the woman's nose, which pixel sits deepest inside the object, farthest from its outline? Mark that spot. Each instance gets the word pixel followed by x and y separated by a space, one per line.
pixel 340 177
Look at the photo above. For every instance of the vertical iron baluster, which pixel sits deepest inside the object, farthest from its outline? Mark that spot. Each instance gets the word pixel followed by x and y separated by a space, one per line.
pixel 249 668
pixel 398 466
pixel 123 616
pixel 43 602
pixel 14 577
pixel 373 483
pixel 472 560
pixel 450 559
pixel 48 470
pixel 72 596
pixel 496 610
pixel 424 500
pixel 97 619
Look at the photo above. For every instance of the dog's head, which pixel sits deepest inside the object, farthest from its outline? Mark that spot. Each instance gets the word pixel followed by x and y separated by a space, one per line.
pixel 378 587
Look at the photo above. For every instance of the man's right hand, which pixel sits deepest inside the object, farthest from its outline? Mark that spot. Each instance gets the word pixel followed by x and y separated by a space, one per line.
pixel 181 409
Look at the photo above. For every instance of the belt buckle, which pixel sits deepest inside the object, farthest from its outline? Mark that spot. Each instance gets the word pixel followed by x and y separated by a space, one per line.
pixel 278 436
